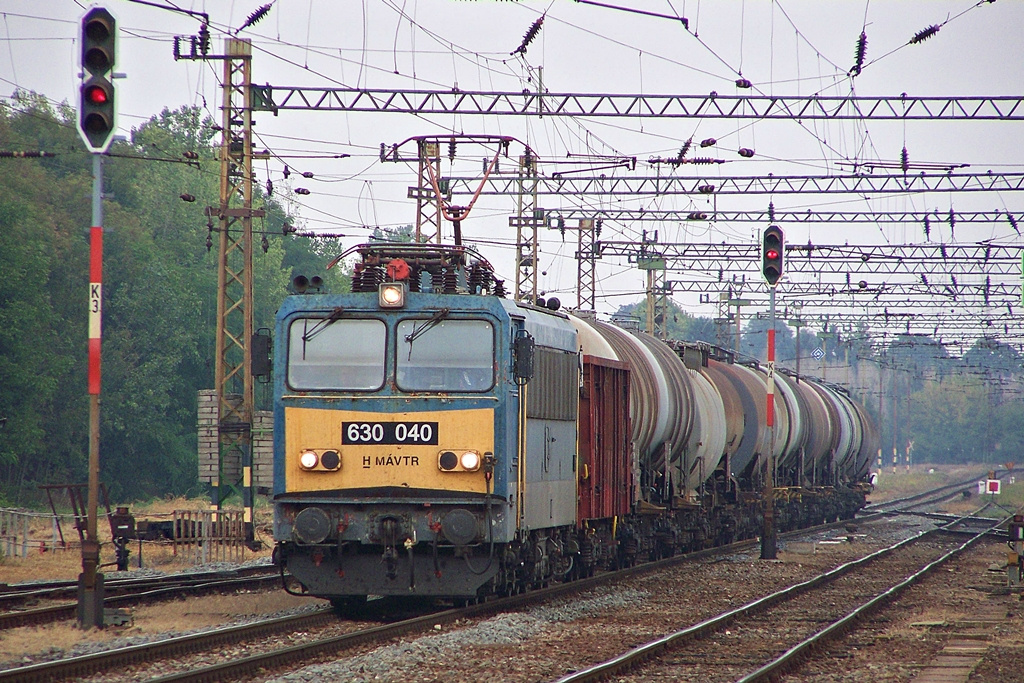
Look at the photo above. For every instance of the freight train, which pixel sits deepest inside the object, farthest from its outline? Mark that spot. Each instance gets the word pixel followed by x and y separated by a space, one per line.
pixel 436 438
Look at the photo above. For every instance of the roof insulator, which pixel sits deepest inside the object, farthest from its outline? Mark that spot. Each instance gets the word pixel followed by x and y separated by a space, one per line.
pixel 708 142
pixel 301 190
pixel 743 83
pixel 307 174
pixel 705 189
pixel 746 152
pixel 697 216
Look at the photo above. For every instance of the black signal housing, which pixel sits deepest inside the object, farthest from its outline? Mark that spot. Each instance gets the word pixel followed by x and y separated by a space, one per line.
pixel 772 254
pixel 96 97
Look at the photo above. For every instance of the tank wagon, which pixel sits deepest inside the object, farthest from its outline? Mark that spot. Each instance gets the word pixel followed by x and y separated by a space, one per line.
pixel 435 438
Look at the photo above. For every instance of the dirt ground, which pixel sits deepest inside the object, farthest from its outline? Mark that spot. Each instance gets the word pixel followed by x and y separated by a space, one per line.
pixel 42 562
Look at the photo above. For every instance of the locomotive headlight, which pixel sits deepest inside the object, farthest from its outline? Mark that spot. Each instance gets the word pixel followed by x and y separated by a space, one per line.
pixel 308 460
pixel 458 461
pixel 391 295
pixel 470 460
pixel 447 461
pixel 331 460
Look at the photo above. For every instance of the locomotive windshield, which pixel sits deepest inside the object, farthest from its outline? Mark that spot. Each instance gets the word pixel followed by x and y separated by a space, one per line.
pixel 334 354
pixel 445 355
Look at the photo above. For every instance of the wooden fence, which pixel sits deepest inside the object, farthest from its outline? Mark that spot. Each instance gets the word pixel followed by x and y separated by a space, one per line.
pixel 209 535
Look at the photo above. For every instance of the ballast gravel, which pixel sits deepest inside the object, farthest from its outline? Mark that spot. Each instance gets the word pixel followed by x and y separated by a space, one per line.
pixel 402 661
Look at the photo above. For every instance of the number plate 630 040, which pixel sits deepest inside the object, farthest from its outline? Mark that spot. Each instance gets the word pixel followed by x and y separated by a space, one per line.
pixel 389 433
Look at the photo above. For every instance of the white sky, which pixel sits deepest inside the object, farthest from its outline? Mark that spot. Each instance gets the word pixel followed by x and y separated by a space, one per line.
pixel 788 47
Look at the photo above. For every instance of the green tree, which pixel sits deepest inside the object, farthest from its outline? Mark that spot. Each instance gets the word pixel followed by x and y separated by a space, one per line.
pixel 159 294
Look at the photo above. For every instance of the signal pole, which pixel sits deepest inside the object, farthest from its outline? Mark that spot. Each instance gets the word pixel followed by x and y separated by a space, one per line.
pixel 771 267
pixel 97 116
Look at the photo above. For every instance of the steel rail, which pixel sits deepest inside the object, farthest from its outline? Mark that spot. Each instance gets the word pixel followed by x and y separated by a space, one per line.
pixel 837 628
pixel 289 655
pixel 44 588
pixel 63 611
pixel 711 106
pixel 884 505
pixel 108 660
pixel 177 646
pixel 651 649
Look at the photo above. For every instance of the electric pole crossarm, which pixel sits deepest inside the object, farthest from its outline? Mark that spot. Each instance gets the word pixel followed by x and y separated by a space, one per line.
pixel 808 216
pixel 696 186
pixel 711 106
pixel 912 259
pixel 895 294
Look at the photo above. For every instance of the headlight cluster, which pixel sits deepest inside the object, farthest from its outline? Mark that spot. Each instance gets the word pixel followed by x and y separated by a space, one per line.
pixel 327 461
pixel 466 461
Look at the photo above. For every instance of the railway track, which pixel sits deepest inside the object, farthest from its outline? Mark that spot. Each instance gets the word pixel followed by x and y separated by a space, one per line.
pixel 323 635
pixel 765 637
pixel 123 592
pixel 932 496
pixel 328 641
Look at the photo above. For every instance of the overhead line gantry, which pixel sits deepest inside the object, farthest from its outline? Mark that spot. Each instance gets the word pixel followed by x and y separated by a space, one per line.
pixel 711 106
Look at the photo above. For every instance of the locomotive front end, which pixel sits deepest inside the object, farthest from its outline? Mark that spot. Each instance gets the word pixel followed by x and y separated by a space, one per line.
pixel 386 475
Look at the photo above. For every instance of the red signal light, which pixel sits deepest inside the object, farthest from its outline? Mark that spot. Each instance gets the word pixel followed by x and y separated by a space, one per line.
pixel 96 95
pixel 772 254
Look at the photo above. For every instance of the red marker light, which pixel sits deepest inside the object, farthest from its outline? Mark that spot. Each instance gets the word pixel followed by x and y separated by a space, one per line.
pixel 96 95
pixel 772 254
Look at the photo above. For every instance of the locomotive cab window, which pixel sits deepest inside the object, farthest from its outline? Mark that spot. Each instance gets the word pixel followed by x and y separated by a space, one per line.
pixel 331 354
pixel 445 355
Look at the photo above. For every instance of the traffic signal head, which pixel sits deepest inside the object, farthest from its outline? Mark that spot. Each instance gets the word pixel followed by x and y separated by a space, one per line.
pixel 772 254
pixel 96 101
pixel 98 41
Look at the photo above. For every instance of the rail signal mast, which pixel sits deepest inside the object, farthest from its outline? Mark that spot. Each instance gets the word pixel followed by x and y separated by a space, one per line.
pixel 97 121
pixel 772 250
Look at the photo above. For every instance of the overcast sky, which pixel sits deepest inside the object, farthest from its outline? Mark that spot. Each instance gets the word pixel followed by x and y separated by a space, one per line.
pixel 788 47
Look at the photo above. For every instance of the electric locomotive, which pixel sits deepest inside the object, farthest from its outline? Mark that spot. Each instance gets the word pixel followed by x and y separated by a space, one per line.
pixel 402 427
pixel 435 438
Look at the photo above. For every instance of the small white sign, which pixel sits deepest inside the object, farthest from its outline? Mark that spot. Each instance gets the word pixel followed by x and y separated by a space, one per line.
pixel 818 354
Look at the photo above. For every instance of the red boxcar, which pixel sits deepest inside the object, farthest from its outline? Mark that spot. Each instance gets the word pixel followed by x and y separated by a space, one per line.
pixel 605 472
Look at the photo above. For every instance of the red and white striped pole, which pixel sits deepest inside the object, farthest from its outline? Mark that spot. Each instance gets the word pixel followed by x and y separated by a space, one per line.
pixel 90 606
pixel 95 306
pixel 768 542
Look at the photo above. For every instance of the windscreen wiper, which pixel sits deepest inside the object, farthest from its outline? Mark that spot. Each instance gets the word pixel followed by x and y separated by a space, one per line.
pixel 419 330
pixel 324 323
